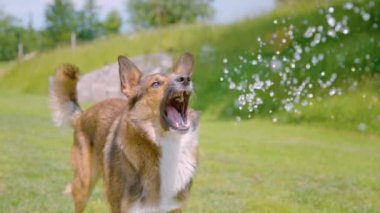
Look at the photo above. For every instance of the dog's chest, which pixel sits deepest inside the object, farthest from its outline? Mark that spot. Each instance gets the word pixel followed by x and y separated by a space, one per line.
pixel 177 166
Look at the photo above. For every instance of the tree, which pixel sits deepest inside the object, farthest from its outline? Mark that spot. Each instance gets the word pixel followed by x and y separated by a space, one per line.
pixel 10 36
pixel 89 26
pixel 31 37
pixel 158 13
pixel 60 20
pixel 112 23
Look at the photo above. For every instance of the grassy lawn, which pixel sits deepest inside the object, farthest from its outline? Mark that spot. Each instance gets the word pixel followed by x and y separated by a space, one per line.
pixel 251 166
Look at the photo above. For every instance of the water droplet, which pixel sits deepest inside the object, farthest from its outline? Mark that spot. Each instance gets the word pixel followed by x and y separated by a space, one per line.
pixel 331 10
pixel 241 100
pixel 288 107
pixel 331 33
pixel 330 20
pixel 225 70
pixel 366 16
pixel 321 57
pixel 275 64
pixel 356 10
pixel 254 62
pixel 274 119
pixel 307 66
pixel 225 60
pixel 259 58
pixel 309 32
pixel 346 31
pixel 362 127
pixel 232 85
pixel 238 119
pixel 275 21
pixel 221 79
pixel 258 85
pixel 323 73
pixel 250 108
pixel 314 60
pixel 259 101
pixel 249 97
pixel 348 6
pixel 268 83
pixel 332 92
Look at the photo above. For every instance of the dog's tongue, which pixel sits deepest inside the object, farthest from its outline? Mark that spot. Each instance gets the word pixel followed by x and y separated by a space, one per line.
pixel 175 117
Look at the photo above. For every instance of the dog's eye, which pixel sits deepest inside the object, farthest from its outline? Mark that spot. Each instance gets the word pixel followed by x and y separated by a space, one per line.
pixel 156 84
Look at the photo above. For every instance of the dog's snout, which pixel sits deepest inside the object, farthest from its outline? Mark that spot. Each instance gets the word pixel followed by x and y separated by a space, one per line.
pixel 184 80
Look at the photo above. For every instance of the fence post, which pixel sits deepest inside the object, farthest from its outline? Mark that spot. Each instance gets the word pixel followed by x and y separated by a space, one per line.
pixel 20 50
pixel 73 40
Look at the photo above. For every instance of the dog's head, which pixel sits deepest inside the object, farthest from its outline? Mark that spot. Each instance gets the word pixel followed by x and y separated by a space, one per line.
pixel 160 98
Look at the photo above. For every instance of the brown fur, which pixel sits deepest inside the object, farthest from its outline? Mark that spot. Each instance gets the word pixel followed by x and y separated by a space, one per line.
pixel 111 138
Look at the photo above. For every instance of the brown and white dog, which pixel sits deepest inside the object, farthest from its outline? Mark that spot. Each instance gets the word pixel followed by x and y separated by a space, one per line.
pixel 144 147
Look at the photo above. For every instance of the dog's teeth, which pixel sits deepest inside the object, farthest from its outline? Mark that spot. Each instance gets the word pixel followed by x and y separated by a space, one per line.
pixel 180 99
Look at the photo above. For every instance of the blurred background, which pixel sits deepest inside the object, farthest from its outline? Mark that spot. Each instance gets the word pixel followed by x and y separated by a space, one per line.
pixel 289 91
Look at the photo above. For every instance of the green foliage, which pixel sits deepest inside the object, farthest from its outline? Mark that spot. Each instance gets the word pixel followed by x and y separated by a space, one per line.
pixel 9 36
pixel 158 13
pixel 60 20
pixel 89 26
pixel 12 34
pixel 112 23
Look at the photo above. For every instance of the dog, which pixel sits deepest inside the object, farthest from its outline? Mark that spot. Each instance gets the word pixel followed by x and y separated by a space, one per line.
pixel 144 147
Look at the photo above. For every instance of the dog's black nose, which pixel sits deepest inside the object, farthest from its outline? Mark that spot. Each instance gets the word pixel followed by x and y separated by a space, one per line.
pixel 184 80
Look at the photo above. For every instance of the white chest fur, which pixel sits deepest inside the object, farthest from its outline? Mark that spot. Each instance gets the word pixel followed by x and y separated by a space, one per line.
pixel 177 165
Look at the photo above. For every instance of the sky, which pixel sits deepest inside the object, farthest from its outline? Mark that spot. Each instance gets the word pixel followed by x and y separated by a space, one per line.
pixel 226 11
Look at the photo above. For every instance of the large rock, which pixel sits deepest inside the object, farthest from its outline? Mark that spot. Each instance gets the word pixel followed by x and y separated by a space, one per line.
pixel 104 83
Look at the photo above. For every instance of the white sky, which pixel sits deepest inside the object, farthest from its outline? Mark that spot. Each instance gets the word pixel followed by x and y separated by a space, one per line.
pixel 226 11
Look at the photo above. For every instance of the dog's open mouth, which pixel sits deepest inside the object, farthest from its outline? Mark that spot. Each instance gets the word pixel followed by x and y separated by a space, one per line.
pixel 175 111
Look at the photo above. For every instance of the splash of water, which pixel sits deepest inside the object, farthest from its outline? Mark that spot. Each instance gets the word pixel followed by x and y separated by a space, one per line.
pixel 282 80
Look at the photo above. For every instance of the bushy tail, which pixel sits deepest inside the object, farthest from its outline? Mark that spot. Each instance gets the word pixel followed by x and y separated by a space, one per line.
pixel 63 95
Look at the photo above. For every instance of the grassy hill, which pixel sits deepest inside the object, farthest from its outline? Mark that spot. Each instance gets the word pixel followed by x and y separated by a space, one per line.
pixel 352 55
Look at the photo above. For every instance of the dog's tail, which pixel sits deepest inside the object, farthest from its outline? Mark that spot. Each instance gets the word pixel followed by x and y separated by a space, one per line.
pixel 63 95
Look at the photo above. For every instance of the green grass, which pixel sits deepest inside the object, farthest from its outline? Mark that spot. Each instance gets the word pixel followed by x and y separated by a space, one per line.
pixel 251 166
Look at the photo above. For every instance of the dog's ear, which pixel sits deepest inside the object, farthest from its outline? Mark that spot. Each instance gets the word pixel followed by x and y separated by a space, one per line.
pixel 129 75
pixel 185 65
